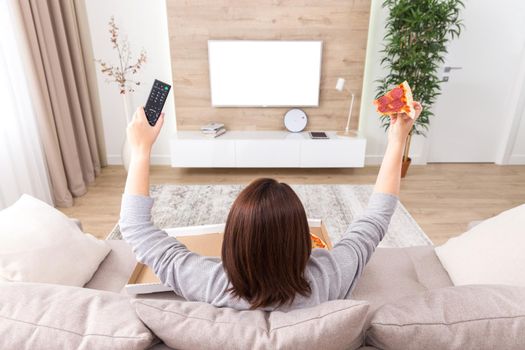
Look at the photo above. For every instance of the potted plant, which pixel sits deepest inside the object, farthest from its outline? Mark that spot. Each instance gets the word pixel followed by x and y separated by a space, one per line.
pixel 417 34
pixel 121 74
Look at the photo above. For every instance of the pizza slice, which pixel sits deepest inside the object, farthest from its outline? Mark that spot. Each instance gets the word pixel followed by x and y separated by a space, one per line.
pixel 397 100
pixel 317 242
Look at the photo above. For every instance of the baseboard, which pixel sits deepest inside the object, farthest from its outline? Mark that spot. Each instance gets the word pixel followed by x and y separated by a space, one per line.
pixel 377 159
pixel 373 160
pixel 163 159
pixel 114 159
pixel 516 159
pixel 156 159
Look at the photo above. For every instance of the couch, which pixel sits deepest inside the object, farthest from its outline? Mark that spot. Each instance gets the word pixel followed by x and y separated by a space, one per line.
pixel 391 274
pixel 406 297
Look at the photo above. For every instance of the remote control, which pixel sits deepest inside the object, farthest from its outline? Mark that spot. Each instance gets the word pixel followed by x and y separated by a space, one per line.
pixel 157 97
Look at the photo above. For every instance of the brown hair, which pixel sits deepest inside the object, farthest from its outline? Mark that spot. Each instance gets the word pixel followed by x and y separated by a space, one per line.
pixel 267 245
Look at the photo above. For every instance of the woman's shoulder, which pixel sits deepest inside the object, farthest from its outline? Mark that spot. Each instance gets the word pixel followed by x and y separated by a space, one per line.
pixel 321 262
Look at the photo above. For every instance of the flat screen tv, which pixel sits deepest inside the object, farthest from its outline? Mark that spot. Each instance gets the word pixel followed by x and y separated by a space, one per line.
pixel 250 73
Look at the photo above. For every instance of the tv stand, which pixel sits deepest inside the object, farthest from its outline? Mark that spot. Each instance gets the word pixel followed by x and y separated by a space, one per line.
pixel 266 149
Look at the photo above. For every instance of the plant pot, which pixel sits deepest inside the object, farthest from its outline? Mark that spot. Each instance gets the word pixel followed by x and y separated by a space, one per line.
pixel 404 166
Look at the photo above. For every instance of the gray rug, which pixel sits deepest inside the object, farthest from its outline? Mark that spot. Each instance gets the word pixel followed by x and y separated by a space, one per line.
pixel 336 205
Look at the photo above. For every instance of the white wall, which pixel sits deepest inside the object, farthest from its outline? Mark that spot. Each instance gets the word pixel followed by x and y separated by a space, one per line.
pixel 518 152
pixel 369 122
pixel 145 24
pixel 513 151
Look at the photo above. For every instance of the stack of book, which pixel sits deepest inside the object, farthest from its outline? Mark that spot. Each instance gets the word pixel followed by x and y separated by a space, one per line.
pixel 213 129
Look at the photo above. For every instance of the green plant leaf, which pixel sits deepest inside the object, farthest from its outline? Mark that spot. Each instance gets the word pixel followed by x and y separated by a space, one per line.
pixel 417 33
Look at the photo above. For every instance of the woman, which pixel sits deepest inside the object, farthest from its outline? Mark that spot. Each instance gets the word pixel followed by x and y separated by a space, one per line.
pixel 267 260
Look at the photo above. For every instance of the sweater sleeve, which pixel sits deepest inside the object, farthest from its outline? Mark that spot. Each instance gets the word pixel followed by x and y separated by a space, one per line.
pixel 339 269
pixel 187 273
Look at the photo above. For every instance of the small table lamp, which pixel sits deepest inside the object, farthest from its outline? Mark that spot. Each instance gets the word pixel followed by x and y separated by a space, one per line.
pixel 339 86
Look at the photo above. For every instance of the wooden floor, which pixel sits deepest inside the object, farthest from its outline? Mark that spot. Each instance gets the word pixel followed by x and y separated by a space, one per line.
pixel 442 198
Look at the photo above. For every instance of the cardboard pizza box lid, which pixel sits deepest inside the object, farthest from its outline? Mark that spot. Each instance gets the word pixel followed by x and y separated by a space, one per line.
pixel 205 240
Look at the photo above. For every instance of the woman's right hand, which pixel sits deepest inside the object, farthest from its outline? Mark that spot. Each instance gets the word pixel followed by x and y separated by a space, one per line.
pixel 401 124
pixel 141 135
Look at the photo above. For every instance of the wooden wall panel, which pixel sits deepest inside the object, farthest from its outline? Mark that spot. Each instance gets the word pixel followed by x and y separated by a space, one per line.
pixel 341 24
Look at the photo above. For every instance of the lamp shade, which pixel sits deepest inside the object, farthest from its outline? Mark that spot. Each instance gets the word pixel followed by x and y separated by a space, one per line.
pixel 340 84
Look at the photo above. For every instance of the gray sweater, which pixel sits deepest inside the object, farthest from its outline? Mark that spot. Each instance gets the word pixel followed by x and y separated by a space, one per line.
pixel 332 274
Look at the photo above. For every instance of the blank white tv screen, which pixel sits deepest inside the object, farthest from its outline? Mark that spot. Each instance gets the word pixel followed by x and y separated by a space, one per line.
pixel 245 73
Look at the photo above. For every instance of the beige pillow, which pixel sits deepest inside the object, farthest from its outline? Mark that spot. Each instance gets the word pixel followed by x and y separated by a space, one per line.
pixel 468 317
pixel 40 244
pixel 45 316
pixel 183 325
pixel 489 253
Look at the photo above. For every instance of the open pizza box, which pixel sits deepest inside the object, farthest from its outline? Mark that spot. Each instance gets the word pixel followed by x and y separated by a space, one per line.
pixel 205 240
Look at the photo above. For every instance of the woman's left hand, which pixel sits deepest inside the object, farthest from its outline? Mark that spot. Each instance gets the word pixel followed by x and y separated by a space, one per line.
pixel 401 124
pixel 141 135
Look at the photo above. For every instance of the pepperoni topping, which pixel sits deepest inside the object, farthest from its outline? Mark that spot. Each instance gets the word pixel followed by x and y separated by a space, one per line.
pixel 383 100
pixel 397 104
pixel 396 93
pixel 393 101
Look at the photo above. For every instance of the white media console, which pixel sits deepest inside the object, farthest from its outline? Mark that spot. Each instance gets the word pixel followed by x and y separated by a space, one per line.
pixel 265 149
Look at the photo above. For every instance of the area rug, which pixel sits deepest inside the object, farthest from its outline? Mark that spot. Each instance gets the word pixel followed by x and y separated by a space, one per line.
pixel 336 205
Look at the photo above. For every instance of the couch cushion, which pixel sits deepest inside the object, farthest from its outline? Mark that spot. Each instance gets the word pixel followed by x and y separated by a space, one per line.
pixel 114 272
pixel 182 325
pixel 467 317
pixel 40 244
pixel 393 273
pixel 489 253
pixel 45 316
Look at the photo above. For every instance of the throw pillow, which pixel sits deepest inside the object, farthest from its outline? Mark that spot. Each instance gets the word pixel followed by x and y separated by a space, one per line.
pixel 46 316
pixel 467 317
pixel 183 325
pixel 40 244
pixel 489 253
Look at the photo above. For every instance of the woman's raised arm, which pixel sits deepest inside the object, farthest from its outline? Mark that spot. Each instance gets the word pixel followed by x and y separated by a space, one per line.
pixel 185 272
pixel 349 256
pixel 141 137
pixel 389 177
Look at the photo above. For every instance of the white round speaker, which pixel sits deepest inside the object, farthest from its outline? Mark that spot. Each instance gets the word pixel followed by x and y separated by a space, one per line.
pixel 295 120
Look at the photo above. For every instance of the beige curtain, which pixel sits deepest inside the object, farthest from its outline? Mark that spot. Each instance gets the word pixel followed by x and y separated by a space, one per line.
pixel 63 88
